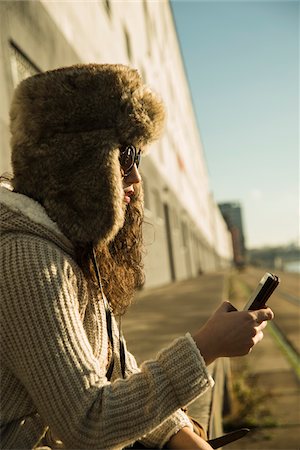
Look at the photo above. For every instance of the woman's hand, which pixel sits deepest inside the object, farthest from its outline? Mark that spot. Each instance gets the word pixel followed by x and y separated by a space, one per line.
pixel 229 332
pixel 186 439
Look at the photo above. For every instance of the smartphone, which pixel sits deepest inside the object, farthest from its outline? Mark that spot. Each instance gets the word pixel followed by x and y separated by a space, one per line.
pixel 265 288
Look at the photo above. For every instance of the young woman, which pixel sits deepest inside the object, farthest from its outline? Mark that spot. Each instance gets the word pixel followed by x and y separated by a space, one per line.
pixel 70 262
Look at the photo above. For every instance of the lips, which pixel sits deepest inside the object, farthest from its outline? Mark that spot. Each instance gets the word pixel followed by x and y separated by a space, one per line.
pixel 127 199
pixel 127 195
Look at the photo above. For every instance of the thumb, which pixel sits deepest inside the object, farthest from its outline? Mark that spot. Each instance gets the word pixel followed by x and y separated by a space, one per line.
pixel 264 314
pixel 225 307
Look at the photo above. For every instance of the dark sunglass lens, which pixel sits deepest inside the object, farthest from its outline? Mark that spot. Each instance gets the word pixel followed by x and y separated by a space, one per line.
pixel 138 159
pixel 127 158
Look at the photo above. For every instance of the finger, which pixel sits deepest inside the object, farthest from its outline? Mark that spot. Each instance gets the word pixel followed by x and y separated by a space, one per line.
pixel 264 314
pixel 258 337
pixel 226 307
pixel 262 325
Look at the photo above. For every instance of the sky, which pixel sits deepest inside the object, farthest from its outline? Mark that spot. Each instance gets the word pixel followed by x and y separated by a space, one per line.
pixel 242 63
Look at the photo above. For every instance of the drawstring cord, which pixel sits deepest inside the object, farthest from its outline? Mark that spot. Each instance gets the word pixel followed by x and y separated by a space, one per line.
pixel 122 348
pixel 108 313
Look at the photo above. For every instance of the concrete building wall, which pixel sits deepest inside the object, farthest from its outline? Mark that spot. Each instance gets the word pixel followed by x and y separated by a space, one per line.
pixel 184 232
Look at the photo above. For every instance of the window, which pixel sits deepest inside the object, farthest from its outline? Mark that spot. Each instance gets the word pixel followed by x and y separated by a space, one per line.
pixel 128 44
pixel 21 66
pixel 148 26
pixel 158 204
pixel 107 7
pixel 184 234
pixel 175 219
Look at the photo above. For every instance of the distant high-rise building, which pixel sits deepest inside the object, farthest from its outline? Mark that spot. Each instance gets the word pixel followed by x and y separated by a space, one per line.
pixel 232 213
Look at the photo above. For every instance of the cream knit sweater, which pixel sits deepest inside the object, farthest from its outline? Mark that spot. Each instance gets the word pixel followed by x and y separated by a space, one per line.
pixel 54 351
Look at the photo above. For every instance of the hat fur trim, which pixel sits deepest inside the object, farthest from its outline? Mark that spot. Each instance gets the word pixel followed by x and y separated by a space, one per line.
pixel 67 126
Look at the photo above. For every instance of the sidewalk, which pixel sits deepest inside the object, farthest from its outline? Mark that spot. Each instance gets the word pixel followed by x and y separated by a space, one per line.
pixel 162 314
pixel 268 365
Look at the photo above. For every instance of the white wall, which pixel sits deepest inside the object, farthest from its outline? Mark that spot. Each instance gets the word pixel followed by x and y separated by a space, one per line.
pixel 141 34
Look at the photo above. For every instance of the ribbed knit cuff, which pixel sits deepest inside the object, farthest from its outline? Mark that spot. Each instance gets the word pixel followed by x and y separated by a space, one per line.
pixel 163 433
pixel 185 369
pixel 210 378
pixel 182 421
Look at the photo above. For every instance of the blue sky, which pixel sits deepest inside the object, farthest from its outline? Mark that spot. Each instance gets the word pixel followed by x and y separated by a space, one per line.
pixel 242 62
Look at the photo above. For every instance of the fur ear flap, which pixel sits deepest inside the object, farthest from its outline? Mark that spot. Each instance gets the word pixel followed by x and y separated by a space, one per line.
pixel 84 196
pixel 89 205
pixel 67 126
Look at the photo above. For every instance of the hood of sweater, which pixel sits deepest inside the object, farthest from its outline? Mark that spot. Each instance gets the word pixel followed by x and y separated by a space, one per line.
pixel 67 127
pixel 21 214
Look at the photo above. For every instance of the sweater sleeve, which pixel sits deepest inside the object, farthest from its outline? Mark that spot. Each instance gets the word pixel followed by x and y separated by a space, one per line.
pixel 158 437
pixel 46 347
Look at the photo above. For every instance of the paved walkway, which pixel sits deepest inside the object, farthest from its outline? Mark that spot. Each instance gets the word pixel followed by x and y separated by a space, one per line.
pixel 269 367
pixel 162 314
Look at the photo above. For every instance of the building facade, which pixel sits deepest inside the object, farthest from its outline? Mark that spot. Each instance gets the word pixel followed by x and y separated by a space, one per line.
pixel 185 233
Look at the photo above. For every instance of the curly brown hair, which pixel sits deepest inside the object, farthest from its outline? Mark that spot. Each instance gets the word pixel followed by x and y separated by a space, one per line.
pixel 121 261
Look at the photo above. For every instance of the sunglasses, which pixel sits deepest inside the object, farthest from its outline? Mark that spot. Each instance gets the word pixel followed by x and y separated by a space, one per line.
pixel 129 156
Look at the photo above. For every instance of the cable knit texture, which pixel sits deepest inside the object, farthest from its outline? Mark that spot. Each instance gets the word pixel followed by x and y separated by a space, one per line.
pixel 54 351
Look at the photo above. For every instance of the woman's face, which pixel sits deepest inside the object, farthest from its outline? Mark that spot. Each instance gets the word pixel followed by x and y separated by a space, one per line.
pixel 129 181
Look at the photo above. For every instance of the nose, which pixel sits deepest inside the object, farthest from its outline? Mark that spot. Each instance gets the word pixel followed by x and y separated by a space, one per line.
pixel 134 176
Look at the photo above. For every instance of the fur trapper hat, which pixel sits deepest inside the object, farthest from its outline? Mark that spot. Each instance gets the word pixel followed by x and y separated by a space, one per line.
pixel 67 126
